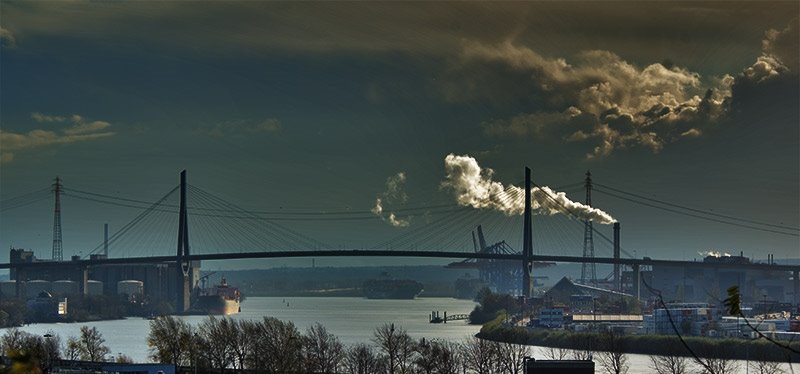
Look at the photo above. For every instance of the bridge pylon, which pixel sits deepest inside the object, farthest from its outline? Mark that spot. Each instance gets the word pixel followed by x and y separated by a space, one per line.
pixel 527 242
pixel 182 268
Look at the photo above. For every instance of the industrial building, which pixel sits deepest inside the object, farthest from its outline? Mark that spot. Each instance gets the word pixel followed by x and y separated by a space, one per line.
pixel 681 284
pixel 155 282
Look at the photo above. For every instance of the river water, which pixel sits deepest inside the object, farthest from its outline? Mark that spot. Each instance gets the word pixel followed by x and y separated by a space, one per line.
pixel 353 320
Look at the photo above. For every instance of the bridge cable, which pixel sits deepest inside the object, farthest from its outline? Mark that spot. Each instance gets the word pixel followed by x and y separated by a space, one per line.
pixel 127 227
pixel 697 215
pixel 697 210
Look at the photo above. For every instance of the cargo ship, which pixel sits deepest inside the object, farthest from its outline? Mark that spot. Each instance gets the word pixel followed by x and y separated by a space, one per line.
pixel 392 289
pixel 220 299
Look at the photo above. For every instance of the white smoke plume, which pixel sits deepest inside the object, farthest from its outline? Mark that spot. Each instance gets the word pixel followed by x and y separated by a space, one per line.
pixel 474 187
pixel 394 193
pixel 714 254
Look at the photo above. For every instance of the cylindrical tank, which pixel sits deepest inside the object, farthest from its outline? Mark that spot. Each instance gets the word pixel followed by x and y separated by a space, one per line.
pixel 94 287
pixel 8 288
pixel 130 287
pixel 65 287
pixel 35 287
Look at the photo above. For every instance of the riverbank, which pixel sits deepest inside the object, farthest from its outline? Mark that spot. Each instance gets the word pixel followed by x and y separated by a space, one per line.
pixel 731 349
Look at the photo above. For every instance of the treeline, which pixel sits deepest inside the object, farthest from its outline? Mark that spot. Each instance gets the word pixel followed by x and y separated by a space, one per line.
pixel 274 346
pixel 31 353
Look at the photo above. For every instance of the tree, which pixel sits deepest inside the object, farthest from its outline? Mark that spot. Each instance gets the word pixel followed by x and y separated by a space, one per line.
pixel 170 340
pixel 436 356
pixel 397 347
pixel 244 340
pixel 713 360
pixel 214 342
pixel 30 351
pixel 323 350
pixel 669 364
pixel 277 348
pixel 555 353
pixel 583 343
pixel 90 345
pixel 71 350
pixel 361 359
pixel 613 358
pixel 479 355
pixel 511 356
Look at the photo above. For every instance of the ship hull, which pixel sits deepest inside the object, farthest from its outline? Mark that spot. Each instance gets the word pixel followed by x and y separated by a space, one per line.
pixel 216 305
pixel 392 289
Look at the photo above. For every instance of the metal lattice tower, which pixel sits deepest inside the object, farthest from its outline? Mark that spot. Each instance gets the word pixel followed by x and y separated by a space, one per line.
pixel 588 274
pixel 58 252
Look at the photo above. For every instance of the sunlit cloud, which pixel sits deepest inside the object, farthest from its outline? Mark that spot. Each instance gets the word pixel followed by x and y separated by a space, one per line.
pixel 78 130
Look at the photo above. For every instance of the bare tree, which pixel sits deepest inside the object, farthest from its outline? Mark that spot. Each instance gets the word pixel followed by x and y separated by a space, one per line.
pixel 670 364
pixel 479 355
pixel 71 350
pixel 90 344
pixel 38 351
pixel 361 359
pixel 323 350
pixel 450 357
pixel 170 340
pixel 278 347
pixel 214 342
pixel 396 345
pixel 713 361
pixel 613 358
pixel 767 367
pixel 555 353
pixel 436 356
pixel 511 356
pixel 243 336
pixel 718 365
pixel 583 344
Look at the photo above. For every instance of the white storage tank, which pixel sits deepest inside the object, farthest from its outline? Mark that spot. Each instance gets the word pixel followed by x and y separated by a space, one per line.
pixel 130 287
pixel 94 287
pixel 8 288
pixel 35 287
pixel 65 287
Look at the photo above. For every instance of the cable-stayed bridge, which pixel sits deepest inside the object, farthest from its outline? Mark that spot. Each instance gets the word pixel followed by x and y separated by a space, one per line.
pixel 211 228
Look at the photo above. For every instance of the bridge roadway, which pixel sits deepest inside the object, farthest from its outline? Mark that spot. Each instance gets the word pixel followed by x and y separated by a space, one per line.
pixel 402 253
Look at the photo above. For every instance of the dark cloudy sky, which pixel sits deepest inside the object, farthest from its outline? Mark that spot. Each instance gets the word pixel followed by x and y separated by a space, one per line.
pixel 328 106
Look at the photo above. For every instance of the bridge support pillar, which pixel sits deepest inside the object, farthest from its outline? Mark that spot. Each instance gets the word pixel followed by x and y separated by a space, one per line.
pixel 18 278
pixel 84 280
pixel 617 281
pixel 796 281
pixel 182 265
pixel 527 245
pixel 637 282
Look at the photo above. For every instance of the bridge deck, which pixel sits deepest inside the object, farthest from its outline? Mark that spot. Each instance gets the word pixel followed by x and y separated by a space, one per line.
pixel 401 253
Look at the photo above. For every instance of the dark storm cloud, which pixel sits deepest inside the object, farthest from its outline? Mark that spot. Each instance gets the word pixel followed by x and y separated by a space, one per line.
pixel 429 28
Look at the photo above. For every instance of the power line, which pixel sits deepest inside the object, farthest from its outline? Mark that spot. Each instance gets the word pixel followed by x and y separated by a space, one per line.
pixel 699 210
pixel 698 216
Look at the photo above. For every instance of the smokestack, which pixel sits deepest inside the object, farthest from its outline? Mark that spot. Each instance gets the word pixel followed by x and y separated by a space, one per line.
pixel 616 257
pixel 105 240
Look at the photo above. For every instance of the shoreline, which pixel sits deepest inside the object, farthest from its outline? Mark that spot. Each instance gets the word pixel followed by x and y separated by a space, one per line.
pixel 660 345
